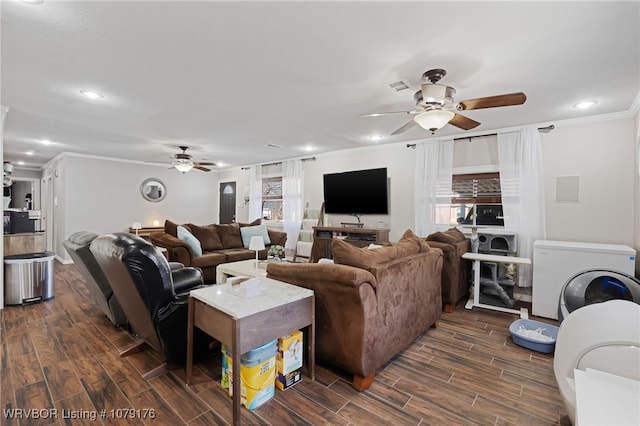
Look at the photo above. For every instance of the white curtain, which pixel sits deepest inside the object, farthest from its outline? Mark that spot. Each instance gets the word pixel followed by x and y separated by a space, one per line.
pixel 255 193
pixel 292 188
pixel 522 186
pixel 432 197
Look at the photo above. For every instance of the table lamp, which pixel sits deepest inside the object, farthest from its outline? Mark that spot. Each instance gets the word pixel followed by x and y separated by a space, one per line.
pixel 136 226
pixel 256 244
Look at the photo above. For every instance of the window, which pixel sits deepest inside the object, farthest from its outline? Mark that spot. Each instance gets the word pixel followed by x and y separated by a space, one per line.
pixel 477 199
pixel 272 198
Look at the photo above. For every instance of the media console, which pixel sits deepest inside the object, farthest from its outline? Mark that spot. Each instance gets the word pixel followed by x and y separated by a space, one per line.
pixel 359 237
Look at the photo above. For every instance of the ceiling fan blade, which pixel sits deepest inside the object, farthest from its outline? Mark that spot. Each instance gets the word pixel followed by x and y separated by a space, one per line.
pixel 462 122
pixel 205 163
pixel 404 128
pixel 494 101
pixel 377 114
pixel 199 167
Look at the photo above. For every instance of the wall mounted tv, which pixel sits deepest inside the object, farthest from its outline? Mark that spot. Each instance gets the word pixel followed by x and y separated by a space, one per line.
pixel 356 192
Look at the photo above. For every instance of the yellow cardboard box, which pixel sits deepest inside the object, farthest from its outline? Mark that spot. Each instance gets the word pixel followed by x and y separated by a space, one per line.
pixel 289 359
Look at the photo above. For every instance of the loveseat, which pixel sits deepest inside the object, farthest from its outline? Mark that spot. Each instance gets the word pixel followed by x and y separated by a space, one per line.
pixel 208 246
pixel 370 303
pixel 455 270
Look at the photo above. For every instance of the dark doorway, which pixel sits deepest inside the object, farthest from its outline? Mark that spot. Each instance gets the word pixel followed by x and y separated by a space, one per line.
pixel 227 202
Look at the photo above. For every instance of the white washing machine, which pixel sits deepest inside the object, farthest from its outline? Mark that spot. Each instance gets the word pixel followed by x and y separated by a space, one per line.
pixel 555 262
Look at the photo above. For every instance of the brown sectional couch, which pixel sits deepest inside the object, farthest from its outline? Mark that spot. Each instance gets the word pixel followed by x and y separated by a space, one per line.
pixel 220 244
pixel 371 303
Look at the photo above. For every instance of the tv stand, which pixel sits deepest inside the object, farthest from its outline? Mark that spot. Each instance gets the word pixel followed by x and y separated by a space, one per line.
pixel 359 237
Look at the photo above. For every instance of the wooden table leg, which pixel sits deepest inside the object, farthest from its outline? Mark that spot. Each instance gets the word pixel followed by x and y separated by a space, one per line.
pixel 236 360
pixel 190 325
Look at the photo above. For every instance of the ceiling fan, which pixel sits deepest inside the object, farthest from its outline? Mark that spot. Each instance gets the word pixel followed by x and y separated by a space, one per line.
pixel 436 106
pixel 184 162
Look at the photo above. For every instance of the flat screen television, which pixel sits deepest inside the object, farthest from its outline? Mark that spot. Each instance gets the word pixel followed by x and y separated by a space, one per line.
pixel 356 192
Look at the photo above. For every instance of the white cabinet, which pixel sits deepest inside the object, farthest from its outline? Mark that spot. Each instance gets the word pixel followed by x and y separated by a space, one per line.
pixel 555 262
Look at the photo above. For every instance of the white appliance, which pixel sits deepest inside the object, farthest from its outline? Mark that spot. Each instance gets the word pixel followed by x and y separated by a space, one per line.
pixel 555 262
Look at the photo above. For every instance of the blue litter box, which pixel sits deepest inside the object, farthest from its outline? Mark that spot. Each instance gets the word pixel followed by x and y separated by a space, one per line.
pixel 531 343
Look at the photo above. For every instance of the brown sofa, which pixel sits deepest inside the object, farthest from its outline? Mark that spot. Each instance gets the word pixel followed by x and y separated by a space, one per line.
pixel 220 244
pixel 455 269
pixel 370 304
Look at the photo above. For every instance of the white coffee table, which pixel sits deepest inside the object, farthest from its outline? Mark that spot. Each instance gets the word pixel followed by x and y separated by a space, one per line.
pixel 242 268
pixel 246 323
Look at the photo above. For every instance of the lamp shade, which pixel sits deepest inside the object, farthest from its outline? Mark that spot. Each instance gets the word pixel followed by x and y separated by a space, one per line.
pixel 433 119
pixel 256 243
pixel 136 225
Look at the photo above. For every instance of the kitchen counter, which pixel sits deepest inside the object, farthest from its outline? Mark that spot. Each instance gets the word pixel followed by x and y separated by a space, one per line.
pixel 30 242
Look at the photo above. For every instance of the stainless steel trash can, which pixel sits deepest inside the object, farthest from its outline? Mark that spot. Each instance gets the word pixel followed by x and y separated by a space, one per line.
pixel 28 278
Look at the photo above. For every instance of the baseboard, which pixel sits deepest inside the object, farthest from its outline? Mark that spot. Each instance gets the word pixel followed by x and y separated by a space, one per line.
pixel 63 261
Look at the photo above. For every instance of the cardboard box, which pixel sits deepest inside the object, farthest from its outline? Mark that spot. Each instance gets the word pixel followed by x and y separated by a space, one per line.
pixel 289 356
pixel 257 374
pixel 285 381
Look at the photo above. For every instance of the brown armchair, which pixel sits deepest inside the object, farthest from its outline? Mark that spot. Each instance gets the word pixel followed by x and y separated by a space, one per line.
pixel 455 269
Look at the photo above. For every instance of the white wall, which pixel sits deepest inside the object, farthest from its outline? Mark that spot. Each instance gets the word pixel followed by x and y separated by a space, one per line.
pixel 636 172
pixel 102 196
pixel 602 155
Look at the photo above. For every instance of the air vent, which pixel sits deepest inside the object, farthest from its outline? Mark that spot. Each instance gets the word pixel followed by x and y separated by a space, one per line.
pixel 273 145
pixel 399 86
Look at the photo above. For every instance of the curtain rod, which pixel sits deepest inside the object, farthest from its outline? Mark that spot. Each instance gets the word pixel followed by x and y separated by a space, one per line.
pixel 541 129
pixel 280 162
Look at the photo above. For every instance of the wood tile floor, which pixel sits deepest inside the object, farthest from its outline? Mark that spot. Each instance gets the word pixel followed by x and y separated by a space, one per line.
pixel 63 355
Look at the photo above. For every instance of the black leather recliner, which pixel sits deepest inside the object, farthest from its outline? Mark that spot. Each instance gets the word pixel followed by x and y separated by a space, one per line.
pixel 77 245
pixel 153 298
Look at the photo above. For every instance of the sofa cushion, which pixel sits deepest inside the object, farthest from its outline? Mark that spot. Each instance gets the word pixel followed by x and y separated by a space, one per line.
pixel 364 258
pixel 254 231
pixel 258 221
pixel 207 260
pixel 451 236
pixel 188 238
pixel 171 228
pixel 230 235
pixel 208 236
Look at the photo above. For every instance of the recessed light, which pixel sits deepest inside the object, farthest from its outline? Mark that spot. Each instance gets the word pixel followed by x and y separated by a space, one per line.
pixel 91 94
pixel 20 163
pixel 375 138
pixel 46 142
pixel 585 104
pixel 308 148
pixel 30 152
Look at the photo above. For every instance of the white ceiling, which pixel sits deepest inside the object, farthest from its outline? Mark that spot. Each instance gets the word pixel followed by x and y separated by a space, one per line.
pixel 226 78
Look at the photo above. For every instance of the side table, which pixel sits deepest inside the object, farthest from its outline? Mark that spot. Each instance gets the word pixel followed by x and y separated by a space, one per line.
pixel 246 323
pixel 481 257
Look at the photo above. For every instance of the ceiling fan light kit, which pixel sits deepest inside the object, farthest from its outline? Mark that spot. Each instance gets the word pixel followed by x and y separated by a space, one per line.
pixel 436 106
pixel 433 119
pixel 183 165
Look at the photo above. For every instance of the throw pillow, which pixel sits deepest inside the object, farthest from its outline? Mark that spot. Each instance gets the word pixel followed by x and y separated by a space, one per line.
pixel 254 231
pixel 208 236
pixel 422 243
pixel 230 235
pixel 170 228
pixel 188 238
